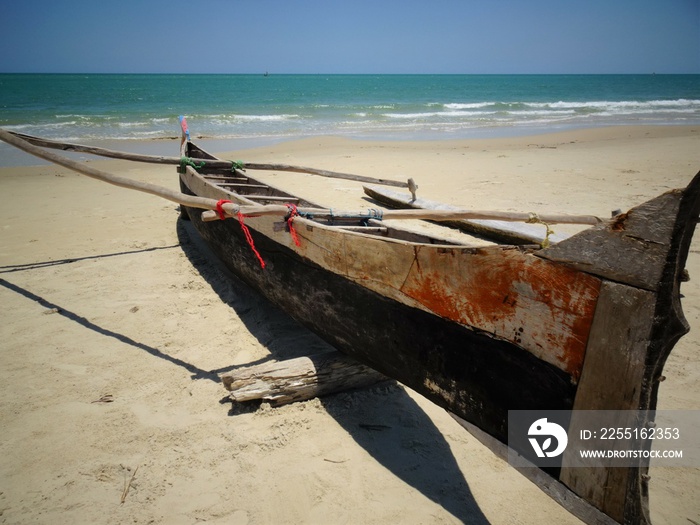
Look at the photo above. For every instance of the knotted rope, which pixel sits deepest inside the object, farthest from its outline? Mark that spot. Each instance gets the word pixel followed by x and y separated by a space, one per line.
pixel 535 219
pixel 293 212
pixel 220 209
pixel 248 237
pixel 237 165
pixel 187 161
pixel 372 213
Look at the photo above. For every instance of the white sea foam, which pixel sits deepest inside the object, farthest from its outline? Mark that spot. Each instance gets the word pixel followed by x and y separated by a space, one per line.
pixel 410 115
pixel 414 118
pixel 474 105
pixel 47 125
pixel 466 114
pixel 535 113
pixel 132 124
pixel 623 105
pixel 263 118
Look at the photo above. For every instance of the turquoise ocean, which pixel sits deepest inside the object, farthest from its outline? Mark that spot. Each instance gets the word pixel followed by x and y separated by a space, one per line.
pixel 250 110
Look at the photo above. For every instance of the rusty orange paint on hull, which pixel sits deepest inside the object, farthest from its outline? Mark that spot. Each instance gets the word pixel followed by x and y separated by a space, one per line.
pixel 543 307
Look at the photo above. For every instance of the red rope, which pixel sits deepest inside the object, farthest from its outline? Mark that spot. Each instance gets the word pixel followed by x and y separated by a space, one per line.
pixel 220 209
pixel 249 238
pixel 293 212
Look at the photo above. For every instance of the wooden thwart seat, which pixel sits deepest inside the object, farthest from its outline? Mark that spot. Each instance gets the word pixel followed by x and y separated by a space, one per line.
pixel 241 185
pixel 271 198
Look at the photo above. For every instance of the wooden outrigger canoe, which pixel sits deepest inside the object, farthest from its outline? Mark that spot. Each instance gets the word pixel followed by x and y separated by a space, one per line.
pixel 584 324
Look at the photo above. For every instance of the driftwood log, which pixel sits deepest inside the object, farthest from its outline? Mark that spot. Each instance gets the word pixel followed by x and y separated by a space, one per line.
pixel 299 379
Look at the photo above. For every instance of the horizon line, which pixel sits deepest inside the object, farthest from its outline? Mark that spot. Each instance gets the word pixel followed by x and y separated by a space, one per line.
pixel 267 73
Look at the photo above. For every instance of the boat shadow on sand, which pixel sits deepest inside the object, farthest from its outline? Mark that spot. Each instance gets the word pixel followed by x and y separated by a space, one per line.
pixel 384 420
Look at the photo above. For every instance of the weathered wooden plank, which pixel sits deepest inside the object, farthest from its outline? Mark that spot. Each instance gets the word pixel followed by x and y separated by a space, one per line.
pixel 228 178
pixel 633 333
pixel 542 307
pixel 545 309
pixel 630 248
pixel 255 197
pixel 241 185
pixel 612 379
pixel 299 379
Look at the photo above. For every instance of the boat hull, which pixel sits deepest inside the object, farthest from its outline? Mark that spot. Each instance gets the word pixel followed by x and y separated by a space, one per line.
pixel 467 372
pixel 586 324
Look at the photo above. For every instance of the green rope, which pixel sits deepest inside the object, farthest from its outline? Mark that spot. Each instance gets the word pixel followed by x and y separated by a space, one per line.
pixel 237 165
pixel 187 161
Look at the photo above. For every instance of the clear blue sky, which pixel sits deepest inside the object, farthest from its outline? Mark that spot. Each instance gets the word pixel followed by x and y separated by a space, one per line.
pixel 350 36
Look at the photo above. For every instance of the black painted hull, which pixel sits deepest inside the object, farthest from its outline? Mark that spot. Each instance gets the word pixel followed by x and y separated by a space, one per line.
pixel 475 376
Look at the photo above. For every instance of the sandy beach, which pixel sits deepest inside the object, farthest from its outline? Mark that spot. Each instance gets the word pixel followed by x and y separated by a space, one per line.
pixel 116 322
